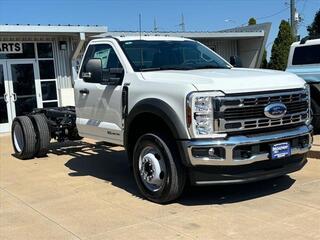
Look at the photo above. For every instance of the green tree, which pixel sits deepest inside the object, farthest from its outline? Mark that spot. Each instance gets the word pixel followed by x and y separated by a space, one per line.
pixel 281 47
pixel 264 62
pixel 252 21
pixel 314 28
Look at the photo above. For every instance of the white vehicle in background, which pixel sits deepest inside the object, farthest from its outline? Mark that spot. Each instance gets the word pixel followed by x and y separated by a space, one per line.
pixel 182 113
pixel 304 60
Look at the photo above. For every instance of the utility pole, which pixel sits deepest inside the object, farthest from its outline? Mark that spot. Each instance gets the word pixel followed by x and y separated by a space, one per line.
pixel 293 18
pixel 182 24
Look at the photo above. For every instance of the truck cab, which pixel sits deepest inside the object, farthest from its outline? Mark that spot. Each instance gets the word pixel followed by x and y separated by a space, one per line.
pixel 304 60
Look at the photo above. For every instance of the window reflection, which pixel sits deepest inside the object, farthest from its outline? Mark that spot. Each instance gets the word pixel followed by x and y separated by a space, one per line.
pixel 49 91
pixel 23 79
pixel 46 68
pixel 44 50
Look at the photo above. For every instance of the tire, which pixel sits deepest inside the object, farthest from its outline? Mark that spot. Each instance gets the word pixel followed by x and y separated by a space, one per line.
pixel 316 116
pixel 23 137
pixel 169 185
pixel 42 134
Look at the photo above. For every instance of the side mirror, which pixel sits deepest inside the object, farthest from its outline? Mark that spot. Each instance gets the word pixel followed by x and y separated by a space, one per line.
pixel 93 71
pixel 236 61
pixel 113 76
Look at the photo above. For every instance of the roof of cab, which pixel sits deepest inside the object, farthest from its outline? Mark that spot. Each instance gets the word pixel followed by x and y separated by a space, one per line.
pixel 308 42
pixel 144 38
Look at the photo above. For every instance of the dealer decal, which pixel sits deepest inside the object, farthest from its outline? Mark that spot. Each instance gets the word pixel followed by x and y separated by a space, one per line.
pixel 10 47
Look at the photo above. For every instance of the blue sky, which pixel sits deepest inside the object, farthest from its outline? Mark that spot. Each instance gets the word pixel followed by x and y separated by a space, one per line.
pixel 200 15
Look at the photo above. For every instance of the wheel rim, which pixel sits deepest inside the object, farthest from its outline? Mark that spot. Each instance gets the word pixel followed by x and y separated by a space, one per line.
pixel 152 168
pixel 18 138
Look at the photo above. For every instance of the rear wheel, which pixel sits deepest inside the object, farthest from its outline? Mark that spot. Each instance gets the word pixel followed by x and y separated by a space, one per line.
pixel 42 134
pixel 23 137
pixel 157 169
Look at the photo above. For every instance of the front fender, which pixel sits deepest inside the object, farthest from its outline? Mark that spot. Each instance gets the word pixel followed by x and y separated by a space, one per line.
pixel 160 109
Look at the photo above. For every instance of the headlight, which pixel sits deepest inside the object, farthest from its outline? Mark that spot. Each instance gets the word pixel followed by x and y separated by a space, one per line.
pixel 200 111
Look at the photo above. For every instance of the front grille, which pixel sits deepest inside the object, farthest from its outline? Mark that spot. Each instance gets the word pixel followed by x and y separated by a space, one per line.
pixel 234 113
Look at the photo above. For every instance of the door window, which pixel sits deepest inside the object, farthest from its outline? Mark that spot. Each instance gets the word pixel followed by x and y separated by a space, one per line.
pixel 24 88
pixel 103 54
pixel 108 56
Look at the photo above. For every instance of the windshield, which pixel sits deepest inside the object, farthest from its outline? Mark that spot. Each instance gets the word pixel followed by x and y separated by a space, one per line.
pixel 170 55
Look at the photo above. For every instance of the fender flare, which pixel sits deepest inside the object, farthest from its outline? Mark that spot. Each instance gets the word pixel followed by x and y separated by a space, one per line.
pixel 160 109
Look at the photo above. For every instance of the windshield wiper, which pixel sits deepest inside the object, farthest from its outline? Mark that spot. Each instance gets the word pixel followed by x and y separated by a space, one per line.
pixel 211 67
pixel 149 69
pixel 165 68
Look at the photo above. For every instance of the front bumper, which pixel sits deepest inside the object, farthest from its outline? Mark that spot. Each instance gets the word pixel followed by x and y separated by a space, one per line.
pixel 231 166
pixel 231 143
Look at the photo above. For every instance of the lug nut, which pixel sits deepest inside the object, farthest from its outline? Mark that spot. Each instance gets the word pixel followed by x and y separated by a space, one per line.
pixel 211 152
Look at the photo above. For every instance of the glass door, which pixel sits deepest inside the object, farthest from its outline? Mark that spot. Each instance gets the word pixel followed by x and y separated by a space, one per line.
pixel 24 86
pixel 5 109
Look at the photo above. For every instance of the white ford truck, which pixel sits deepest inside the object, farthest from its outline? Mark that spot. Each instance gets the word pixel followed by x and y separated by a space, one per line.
pixel 182 113
pixel 304 60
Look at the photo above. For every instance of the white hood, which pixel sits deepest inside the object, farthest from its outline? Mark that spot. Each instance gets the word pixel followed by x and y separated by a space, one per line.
pixel 235 80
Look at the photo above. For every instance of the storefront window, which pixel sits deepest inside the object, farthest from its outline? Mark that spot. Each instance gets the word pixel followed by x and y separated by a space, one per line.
pixel 44 50
pixel 47 74
pixel 50 104
pixel 27 52
pixel 46 68
pixel 49 90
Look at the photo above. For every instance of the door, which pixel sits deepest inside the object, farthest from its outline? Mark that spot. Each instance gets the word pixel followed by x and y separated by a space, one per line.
pixel 24 86
pixel 20 90
pixel 98 106
pixel 5 107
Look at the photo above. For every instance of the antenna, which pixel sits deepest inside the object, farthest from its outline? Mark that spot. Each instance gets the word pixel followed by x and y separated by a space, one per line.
pixel 182 24
pixel 140 25
pixel 155 27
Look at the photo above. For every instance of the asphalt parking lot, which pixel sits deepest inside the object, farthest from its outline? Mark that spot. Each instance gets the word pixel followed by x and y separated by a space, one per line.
pixel 85 190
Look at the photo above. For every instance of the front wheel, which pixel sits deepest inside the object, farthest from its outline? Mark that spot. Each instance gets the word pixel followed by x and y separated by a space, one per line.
pixel 157 168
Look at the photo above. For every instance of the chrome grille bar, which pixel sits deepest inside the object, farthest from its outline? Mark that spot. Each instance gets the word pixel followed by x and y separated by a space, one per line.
pixel 234 113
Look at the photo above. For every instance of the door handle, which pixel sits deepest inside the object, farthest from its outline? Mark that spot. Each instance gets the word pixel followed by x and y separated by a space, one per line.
pixel 84 91
pixel 14 97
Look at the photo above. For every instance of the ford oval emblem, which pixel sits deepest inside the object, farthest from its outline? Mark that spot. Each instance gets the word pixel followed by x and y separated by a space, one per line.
pixel 275 110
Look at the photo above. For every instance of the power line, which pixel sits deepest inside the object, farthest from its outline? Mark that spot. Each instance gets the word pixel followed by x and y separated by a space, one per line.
pixel 272 15
pixel 275 14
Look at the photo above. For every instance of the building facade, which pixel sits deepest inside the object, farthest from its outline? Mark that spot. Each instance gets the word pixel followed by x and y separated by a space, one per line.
pixel 36 66
pixel 39 63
